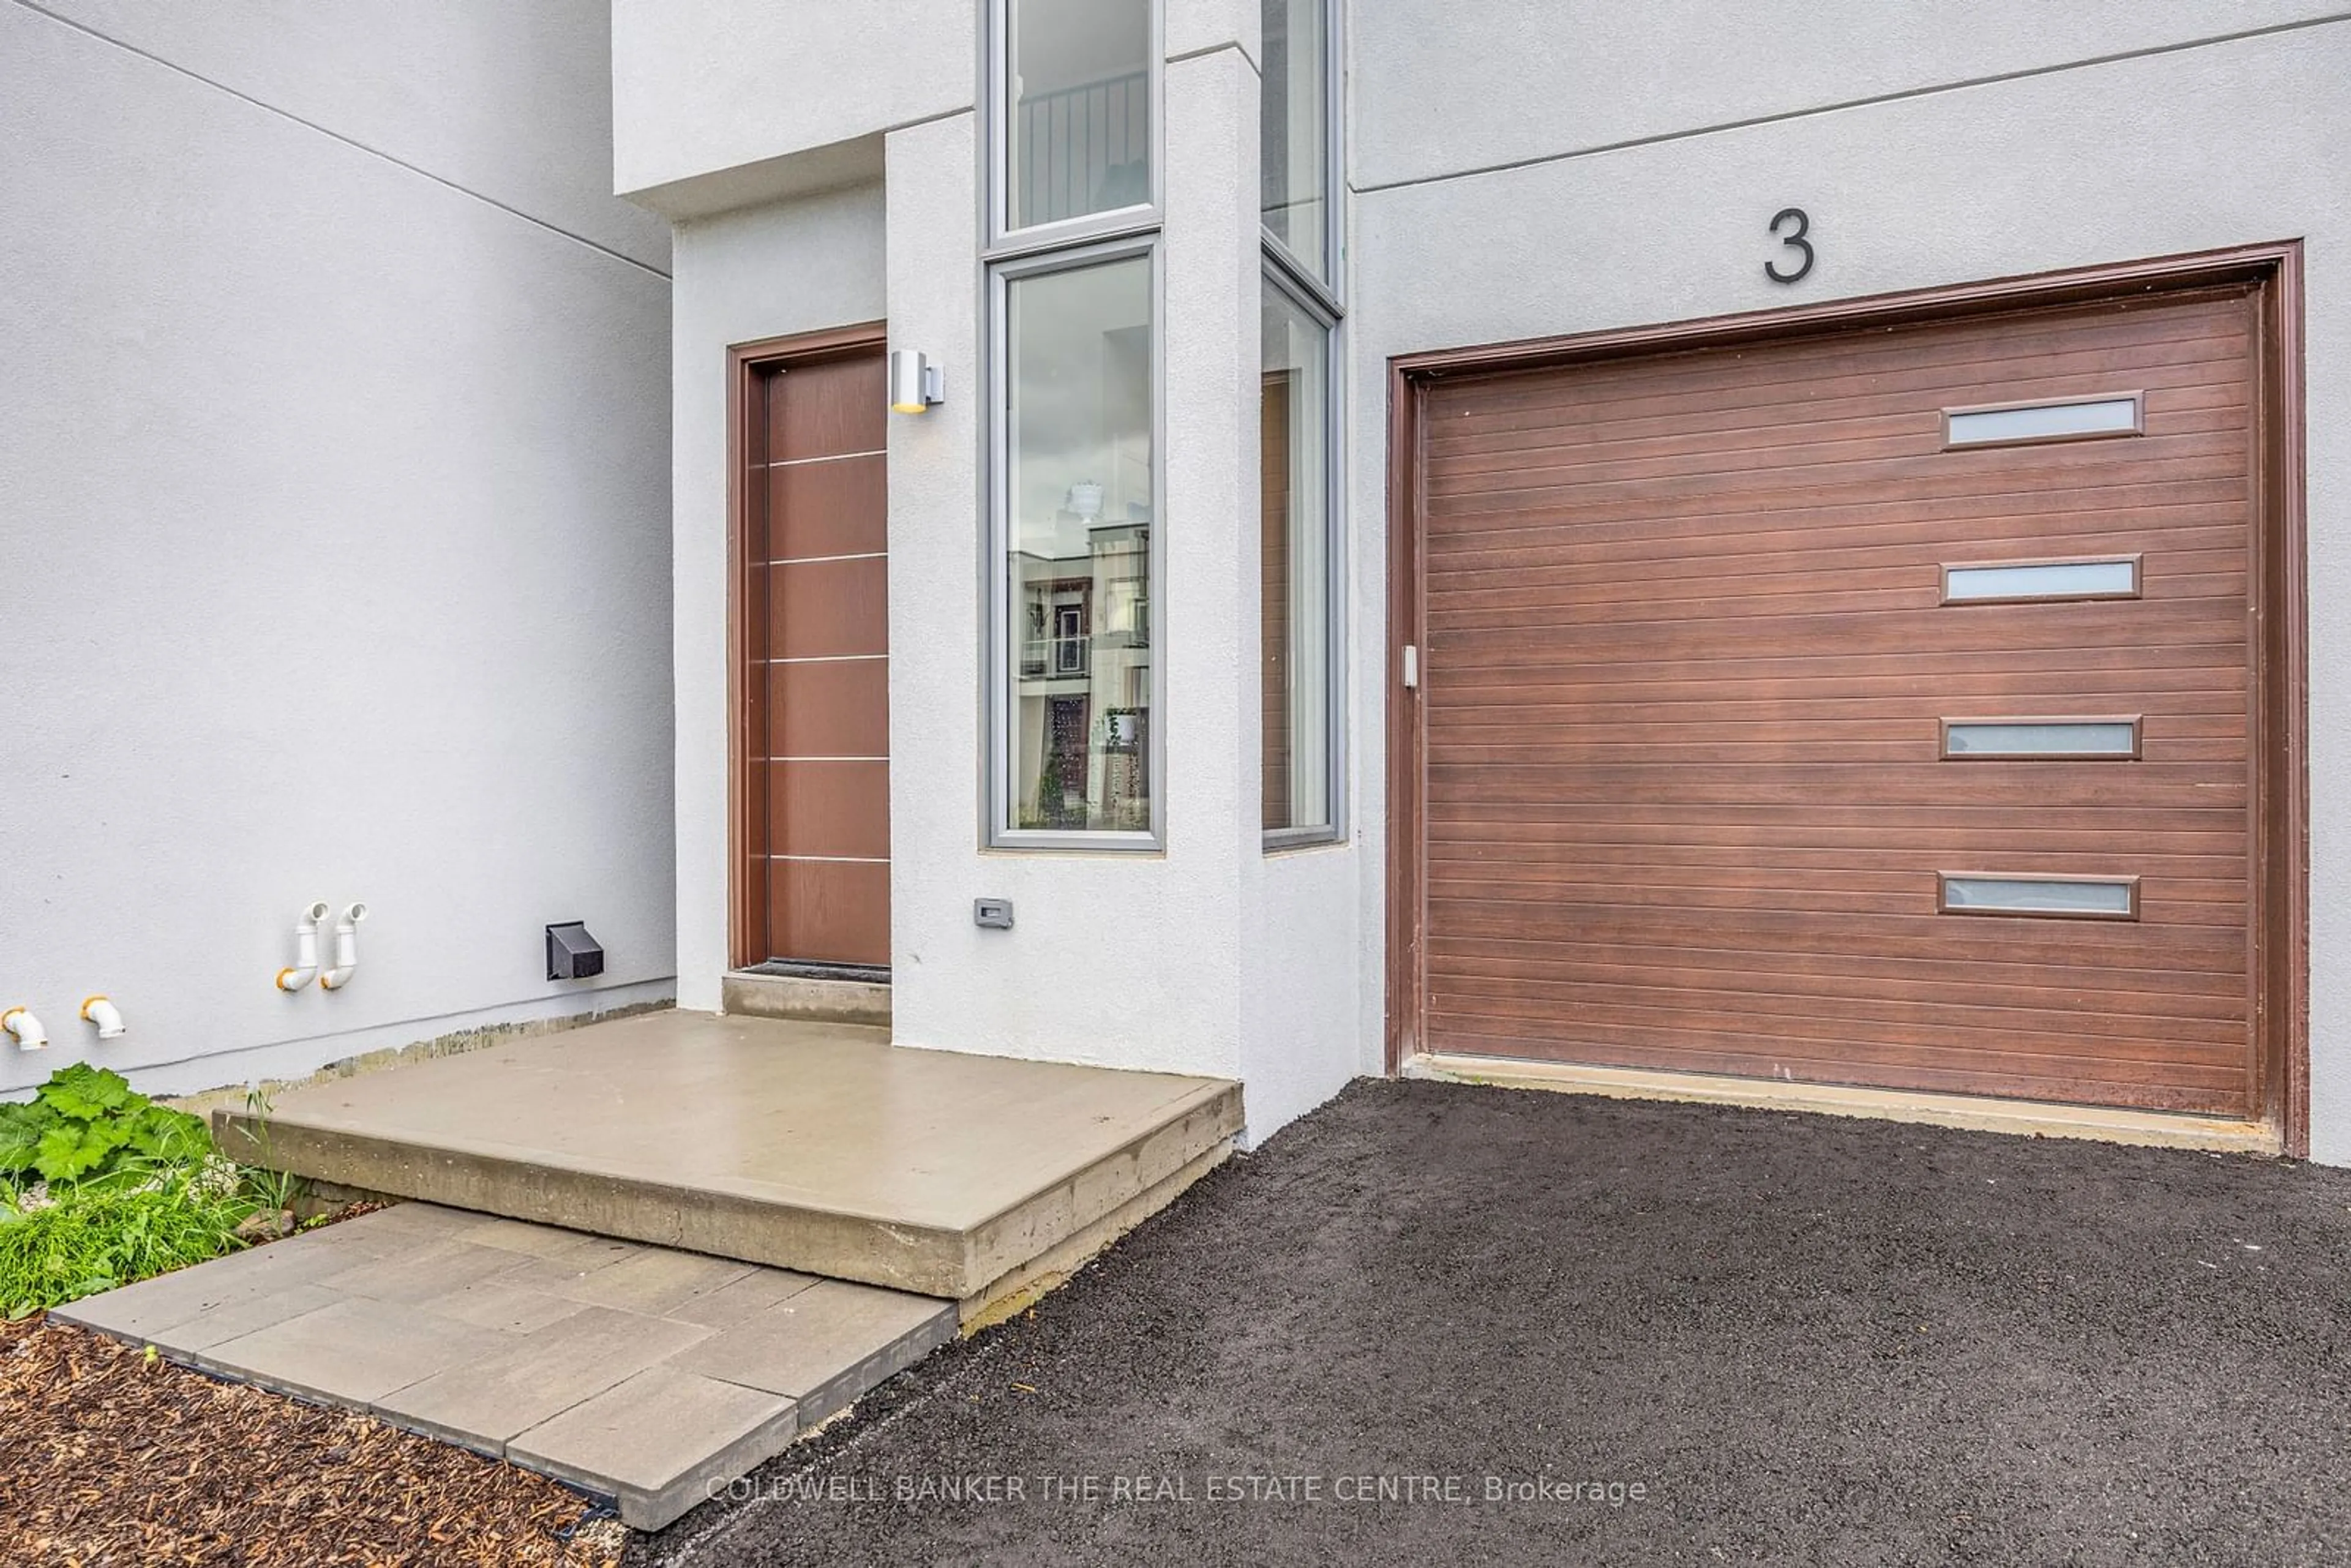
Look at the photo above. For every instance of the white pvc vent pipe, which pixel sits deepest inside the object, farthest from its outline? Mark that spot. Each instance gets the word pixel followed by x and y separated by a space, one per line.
pixel 102 1011
pixel 347 948
pixel 306 949
pixel 30 1035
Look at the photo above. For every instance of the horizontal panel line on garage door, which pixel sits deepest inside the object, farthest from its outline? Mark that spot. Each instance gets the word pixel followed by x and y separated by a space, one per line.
pixel 2224 1048
pixel 1820 750
pixel 1866 814
pixel 1703 843
pixel 2140 944
pixel 1898 432
pixel 1833 789
pixel 1464 439
pixel 2201 396
pixel 2137 625
pixel 1924 1020
pixel 2171 557
pixel 1659 864
pixel 2155 1086
pixel 2185 903
pixel 1823 748
pixel 1925 477
pixel 2134 514
pixel 1623 386
pixel 2148 459
pixel 2210 1067
pixel 1772 721
pixel 1765 969
pixel 1860 446
pixel 1922 688
pixel 1731 600
pixel 1667 681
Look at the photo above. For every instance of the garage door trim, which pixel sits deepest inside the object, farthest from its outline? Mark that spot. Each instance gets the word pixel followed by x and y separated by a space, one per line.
pixel 2278 715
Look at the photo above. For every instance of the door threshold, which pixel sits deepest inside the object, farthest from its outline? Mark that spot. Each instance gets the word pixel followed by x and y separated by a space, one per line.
pixel 2035 1118
pixel 765 992
pixel 799 969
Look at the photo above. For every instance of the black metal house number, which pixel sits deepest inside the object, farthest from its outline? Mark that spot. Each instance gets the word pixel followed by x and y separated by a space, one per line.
pixel 1795 240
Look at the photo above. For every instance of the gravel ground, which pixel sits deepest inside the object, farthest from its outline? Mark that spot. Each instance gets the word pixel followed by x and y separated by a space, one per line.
pixel 1751 1337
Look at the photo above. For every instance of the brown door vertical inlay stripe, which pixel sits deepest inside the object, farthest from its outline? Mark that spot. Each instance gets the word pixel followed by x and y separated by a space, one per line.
pixel 815 820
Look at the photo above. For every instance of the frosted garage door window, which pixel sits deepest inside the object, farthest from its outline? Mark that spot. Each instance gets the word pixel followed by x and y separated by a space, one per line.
pixel 1980 895
pixel 2041 580
pixel 2043 421
pixel 2041 737
pixel 1078 496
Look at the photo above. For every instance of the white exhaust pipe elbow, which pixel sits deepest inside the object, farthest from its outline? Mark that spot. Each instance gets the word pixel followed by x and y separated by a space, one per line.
pixel 306 949
pixel 100 1010
pixel 347 948
pixel 30 1035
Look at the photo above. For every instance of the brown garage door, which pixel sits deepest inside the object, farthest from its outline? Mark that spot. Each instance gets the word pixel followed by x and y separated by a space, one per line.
pixel 1783 718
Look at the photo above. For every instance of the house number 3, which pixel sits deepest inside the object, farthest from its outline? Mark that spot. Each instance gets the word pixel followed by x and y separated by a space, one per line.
pixel 1793 240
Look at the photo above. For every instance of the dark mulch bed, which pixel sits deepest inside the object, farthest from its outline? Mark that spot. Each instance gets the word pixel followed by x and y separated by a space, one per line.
pixel 109 1458
pixel 1806 1340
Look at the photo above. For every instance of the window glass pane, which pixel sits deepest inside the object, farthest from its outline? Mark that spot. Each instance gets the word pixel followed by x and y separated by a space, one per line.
pixel 1294 679
pixel 2026 895
pixel 2050 422
pixel 2054 580
pixel 1293 126
pixel 1079 486
pixel 2041 737
pixel 1078 123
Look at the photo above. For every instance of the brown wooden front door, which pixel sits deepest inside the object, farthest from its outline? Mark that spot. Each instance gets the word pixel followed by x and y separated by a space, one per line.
pixel 813 822
pixel 1692 798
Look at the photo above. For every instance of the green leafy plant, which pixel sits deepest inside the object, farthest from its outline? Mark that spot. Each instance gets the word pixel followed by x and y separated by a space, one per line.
pixel 85 1239
pixel 86 1124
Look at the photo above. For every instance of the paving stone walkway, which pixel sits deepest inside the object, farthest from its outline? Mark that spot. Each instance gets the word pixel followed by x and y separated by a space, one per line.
pixel 639 1372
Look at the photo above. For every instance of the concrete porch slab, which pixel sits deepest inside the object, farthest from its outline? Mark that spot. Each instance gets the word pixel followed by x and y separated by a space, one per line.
pixel 815 1148
pixel 644 1374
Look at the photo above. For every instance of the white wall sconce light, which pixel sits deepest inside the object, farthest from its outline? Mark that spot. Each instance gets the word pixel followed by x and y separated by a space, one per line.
pixel 915 384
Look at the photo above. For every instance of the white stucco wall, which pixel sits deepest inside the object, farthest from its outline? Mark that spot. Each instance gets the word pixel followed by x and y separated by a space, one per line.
pixel 333 545
pixel 716 84
pixel 2233 143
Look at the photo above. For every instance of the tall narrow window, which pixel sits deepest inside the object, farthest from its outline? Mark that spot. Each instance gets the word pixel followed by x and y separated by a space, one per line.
pixel 1294 128
pixel 1080 491
pixel 1078 109
pixel 1295 670
pixel 1300 692
pixel 1074 493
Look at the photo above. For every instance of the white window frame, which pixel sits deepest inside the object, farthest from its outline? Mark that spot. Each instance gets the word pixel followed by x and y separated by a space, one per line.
pixel 996 67
pixel 1008 255
pixel 1326 302
pixel 1002 661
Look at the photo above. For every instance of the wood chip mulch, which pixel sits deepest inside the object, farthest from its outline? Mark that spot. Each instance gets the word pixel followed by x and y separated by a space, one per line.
pixel 110 1458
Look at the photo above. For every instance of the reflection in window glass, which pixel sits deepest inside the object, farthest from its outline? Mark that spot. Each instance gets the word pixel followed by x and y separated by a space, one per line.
pixel 1079 494
pixel 1294 679
pixel 1079 130
pixel 1294 120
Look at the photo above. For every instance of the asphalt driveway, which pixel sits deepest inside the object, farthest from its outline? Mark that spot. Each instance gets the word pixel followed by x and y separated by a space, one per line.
pixel 1435 1324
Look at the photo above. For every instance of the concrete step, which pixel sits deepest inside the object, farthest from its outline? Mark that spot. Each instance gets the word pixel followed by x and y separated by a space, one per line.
pixel 805 998
pixel 821 1148
pixel 642 1373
